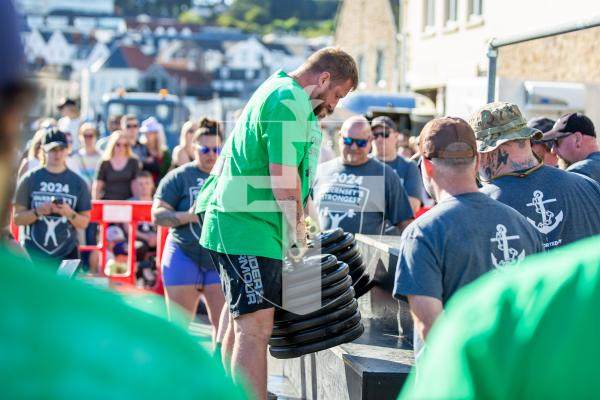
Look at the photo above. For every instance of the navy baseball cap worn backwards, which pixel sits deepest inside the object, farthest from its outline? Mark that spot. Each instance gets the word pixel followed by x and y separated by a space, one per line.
pixel 54 138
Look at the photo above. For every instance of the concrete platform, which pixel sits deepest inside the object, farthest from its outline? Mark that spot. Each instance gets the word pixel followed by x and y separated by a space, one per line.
pixel 373 367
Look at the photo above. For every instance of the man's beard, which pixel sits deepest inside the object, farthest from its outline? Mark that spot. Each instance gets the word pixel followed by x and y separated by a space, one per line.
pixel 321 110
pixel 563 164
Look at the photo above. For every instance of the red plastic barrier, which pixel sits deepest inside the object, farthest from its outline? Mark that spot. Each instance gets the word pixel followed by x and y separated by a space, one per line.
pixel 106 212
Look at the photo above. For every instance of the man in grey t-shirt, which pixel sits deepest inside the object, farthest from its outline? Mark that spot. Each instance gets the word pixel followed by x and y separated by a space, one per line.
pixel 385 137
pixel 357 193
pixel 464 236
pixel 564 207
pixel 573 139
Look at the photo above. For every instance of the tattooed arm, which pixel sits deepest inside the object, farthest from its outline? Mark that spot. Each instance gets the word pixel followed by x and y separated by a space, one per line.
pixel 285 184
pixel 164 215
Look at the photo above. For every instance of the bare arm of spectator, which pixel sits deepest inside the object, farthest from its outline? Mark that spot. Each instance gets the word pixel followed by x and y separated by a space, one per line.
pixel 415 204
pixel 79 220
pixel 164 214
pixel 148 237
pixel 424 310
pixel 97 189
pixel 25 216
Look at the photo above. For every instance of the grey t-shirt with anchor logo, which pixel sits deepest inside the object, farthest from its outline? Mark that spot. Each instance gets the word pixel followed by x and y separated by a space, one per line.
pixel 564 207
pixel 458 240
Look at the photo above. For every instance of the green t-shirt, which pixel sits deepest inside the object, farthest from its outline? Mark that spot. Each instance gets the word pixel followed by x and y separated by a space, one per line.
pixel 65 339
pixel 528 334
pixel 241 215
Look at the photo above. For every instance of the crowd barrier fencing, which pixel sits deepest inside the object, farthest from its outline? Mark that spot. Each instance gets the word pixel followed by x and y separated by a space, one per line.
pixel 107 212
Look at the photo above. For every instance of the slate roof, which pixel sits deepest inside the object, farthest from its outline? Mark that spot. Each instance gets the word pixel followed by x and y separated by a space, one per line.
pixel 128 57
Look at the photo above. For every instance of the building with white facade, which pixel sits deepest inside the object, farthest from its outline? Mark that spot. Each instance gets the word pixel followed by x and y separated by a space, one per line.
pixel 122 69
pixel 47 6
pixel 447 41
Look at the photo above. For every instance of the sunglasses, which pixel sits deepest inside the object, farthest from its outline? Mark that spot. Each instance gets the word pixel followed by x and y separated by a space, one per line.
pixel 125 145
pixel 89 135
pixel 359 142
pixel 131 126
pixel 385 134
pixel 556 142
pixel 206 150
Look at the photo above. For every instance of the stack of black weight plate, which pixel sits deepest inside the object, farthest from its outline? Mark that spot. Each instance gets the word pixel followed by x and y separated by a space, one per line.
pixel 336 322
pixel 343 245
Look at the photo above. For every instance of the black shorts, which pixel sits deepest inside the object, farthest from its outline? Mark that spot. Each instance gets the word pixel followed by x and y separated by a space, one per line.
pixel 250 283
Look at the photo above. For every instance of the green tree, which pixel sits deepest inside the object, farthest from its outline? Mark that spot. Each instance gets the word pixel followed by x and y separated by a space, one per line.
pixel 190 17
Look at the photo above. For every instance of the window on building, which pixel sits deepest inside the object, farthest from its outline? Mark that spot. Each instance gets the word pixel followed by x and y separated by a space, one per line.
pixel 379 67
pixel 428 14
pixel 475 7
pixel 360 64
pixel 451 11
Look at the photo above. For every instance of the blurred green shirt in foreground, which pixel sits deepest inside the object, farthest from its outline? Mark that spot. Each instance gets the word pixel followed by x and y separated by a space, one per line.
pixel 531 333
pixel 65 339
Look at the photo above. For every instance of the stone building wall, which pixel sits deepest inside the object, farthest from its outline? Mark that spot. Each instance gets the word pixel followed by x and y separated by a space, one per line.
pixel 572 57
pixel 365 27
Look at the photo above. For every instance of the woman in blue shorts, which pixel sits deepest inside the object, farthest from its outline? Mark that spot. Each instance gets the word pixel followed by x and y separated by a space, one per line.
pixel 188 271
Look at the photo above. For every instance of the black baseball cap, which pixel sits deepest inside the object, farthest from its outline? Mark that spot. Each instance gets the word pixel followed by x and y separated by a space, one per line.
pixel 54 138
pixel 384 121
pixel 542 124
pixel 571 123
pixel 66 102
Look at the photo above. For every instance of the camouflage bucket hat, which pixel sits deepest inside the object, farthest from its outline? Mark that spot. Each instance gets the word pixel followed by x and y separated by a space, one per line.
pixel 498 123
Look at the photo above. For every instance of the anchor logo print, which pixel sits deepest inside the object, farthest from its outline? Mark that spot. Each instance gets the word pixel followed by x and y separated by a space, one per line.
pixel 549 221
pixel 510 255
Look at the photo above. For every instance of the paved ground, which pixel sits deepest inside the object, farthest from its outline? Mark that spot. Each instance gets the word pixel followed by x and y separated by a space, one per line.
pixel 278 384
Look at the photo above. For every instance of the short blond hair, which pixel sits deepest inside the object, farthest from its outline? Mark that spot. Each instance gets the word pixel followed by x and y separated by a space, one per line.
pixel 87 126
pixel 340 65
pixel 112 143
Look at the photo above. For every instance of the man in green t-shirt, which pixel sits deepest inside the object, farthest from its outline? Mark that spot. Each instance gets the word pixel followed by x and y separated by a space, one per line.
pixel 255 198
pixel 531 333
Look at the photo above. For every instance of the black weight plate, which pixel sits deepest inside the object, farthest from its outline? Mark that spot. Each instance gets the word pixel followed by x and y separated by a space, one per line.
pixel 355 261
pixel 333 248
pixel 317 333
pixel 326 262
pixel 297 351
pixel 362 289
pixel 327 305
pixel 320 320
pixel 327 237
pixel 325 280
pixel 322 260
pixel 333 290
pixel 358 274
pixel 346 255
pixel 297 275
